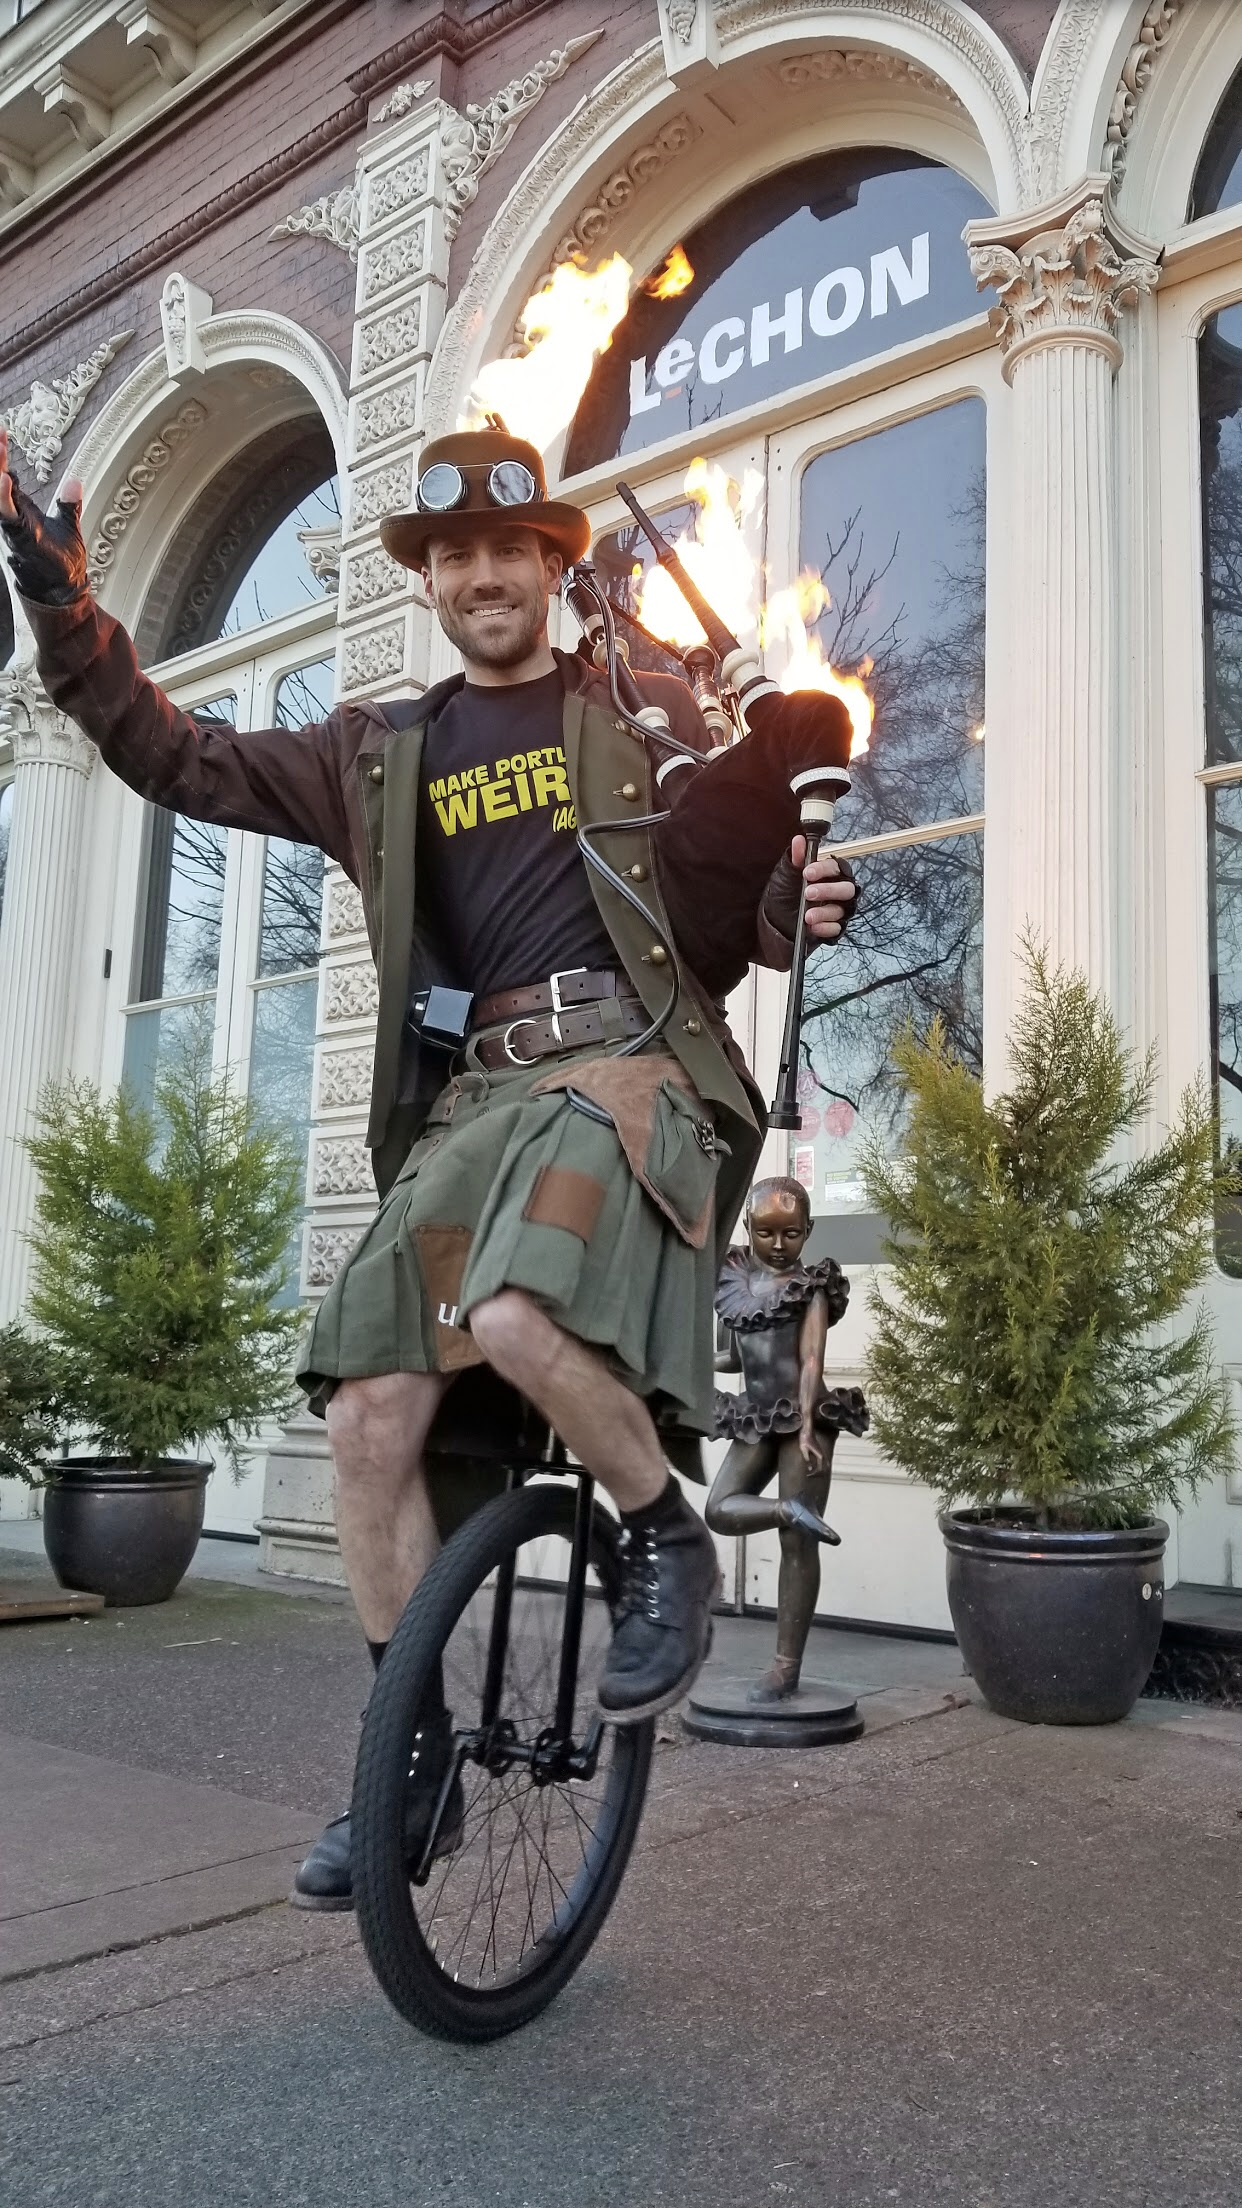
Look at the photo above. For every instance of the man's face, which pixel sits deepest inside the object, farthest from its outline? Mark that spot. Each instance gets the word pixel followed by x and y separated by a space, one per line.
pixel 491 592
pixel 778 1231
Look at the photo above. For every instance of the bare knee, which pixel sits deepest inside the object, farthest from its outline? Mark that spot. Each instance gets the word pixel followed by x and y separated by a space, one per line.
pixel 511 1331
pixel 382 1419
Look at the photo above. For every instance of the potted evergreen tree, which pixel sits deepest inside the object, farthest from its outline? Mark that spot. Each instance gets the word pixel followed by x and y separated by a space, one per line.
pixel 1031 1359
pixel 161 1245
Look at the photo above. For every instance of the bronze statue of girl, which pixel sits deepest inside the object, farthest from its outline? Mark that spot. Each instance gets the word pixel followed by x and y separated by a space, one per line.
pixel 785 1422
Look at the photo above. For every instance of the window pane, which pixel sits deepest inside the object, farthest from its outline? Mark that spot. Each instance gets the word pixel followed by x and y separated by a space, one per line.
pixel 915 949
pixel 1218 178
pixel 281 1061
pixel 280 578
pixel 185 907
pixel 820 264
pixel 1225 935
pixel 1220 422
pixel 292 905
pixel 156 1040
pixel 905 575
pixel 6 822
pixel 306 694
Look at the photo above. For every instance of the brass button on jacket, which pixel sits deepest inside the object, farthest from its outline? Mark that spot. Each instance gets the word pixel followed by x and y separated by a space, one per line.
pixel 658 955
pixel 638 873
pixel 630 792
pixel 377 774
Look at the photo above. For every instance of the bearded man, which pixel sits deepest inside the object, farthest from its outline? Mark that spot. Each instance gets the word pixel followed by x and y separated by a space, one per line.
pixel 548 1208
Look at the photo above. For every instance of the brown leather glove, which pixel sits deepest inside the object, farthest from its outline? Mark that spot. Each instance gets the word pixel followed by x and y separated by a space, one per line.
pixel 46 552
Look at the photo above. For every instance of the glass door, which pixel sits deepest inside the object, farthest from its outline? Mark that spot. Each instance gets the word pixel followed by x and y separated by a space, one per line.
pixel 225 965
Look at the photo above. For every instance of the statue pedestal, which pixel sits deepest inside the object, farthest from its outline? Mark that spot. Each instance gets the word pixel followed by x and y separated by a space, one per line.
pixel 817 1716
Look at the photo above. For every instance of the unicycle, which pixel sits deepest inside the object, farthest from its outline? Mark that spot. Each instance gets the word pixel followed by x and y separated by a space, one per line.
pixel 480 1934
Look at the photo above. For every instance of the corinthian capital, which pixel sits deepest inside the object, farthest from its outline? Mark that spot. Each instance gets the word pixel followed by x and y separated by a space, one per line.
pixel 1063 273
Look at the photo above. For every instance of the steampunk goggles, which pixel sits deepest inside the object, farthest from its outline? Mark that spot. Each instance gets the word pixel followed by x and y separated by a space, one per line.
pixel 444 487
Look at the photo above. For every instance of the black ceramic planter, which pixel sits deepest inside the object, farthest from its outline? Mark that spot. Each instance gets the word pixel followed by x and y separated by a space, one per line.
pixel 1056 1628
pixel 125 1534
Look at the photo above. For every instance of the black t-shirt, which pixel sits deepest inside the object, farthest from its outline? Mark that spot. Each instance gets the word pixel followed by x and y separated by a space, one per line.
pixel 500 874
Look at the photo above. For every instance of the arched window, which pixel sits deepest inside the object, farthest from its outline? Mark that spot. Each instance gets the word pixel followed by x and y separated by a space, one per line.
pixel 1218 178
pixel 882 492
pixel 240 626
pixel 1220 416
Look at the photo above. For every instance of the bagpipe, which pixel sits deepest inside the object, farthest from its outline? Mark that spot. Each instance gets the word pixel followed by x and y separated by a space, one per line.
pixel 809 749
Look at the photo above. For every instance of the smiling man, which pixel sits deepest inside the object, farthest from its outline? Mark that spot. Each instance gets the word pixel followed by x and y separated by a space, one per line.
pixel 556 1179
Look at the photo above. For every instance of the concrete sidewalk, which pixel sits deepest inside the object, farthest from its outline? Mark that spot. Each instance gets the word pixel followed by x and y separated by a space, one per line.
pixel 959 1962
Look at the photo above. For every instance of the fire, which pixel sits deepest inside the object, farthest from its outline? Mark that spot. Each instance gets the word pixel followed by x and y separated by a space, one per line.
pixel 675 277
pixel 786 620
pixel 714 553
pixel 566 325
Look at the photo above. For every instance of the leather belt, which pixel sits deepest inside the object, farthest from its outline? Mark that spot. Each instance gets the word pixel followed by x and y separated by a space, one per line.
pixel 526 1039
pixel 575 985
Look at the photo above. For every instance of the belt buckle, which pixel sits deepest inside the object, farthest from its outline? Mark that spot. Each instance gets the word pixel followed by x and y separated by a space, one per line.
pixel 566 974
pixel 507 1046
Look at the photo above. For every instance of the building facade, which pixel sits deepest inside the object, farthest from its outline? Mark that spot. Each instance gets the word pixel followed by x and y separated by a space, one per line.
pixel 252 255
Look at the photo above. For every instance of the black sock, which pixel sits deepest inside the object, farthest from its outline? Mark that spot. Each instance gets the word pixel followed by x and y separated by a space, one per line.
pixel 377 1649
pixel 668 1505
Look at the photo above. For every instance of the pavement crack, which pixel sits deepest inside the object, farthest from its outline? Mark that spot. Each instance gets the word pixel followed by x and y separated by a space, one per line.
pixel 146 1939
pixel 161 2001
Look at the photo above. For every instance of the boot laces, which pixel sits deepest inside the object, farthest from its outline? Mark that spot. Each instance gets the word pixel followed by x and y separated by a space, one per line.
pixel 640 1573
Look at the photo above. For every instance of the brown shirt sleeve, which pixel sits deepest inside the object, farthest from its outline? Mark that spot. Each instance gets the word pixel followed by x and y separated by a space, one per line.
pixel 278 781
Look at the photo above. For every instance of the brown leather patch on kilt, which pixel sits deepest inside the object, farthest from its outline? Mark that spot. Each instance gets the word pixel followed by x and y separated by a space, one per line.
pixel 442 1255
pixel 563 1198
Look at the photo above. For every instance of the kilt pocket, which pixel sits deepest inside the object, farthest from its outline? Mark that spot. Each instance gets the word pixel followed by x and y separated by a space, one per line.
pixel 664 1128
pixel 562 1197
pixel 443 1253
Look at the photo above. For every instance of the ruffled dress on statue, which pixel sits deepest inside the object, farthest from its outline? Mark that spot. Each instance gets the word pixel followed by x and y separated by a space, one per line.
pixel 755 1302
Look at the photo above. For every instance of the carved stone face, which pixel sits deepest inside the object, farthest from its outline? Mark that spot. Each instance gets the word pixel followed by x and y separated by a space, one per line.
pixel 778 1227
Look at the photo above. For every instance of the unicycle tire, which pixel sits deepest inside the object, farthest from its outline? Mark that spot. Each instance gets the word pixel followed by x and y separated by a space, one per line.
pixel 504 1918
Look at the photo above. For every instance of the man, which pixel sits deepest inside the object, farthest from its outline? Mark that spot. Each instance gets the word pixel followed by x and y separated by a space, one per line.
pixel 548 1206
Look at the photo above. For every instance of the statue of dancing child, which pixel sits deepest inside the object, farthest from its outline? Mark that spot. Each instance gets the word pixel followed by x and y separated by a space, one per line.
pixel 785 1422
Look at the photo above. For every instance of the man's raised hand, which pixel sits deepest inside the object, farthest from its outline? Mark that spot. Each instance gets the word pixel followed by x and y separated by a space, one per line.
pixel 45 551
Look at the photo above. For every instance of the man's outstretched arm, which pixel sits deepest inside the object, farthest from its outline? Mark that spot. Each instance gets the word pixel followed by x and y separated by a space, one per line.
pixel 282 782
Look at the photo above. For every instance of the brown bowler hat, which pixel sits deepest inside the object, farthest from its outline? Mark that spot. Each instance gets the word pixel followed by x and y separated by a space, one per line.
pixel 487 464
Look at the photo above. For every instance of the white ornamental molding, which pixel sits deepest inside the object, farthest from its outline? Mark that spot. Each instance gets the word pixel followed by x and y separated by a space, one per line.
pixel 390 413
pixel 344 1079
pixel 390 338
pixel 374 656
pixel 384 491
pixel 1065 281
pixel 1153 33
pixel 322 547
pixel 350 993
pixel 39 735
pixel 834 65
pixel 342 1166
pixel 183 310
pixel 326 1251
pixel 619 191
pixel 139 477
pixel 334 217
pixel 688 36
pixel 39 425
pixel 345 913
pixel 371 576
pixel 395 191
pixel 471 142
pixel 394 262
pixel 402 101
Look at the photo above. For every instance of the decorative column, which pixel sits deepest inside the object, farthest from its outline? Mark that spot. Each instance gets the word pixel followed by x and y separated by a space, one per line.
pixel 1064 274
pixel 38 938
pixel 384 651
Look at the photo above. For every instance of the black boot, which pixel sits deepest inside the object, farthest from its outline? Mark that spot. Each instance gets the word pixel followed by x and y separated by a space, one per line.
pixel 325 1879
pixel 662 1626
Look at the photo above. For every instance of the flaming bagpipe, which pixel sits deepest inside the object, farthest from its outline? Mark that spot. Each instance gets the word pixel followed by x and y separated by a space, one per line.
pixel 785 731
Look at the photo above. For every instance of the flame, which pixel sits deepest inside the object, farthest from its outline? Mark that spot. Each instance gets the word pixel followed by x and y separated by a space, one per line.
pixel 566 325
pixel 714 553
pixel 785 620
pixel 675 277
